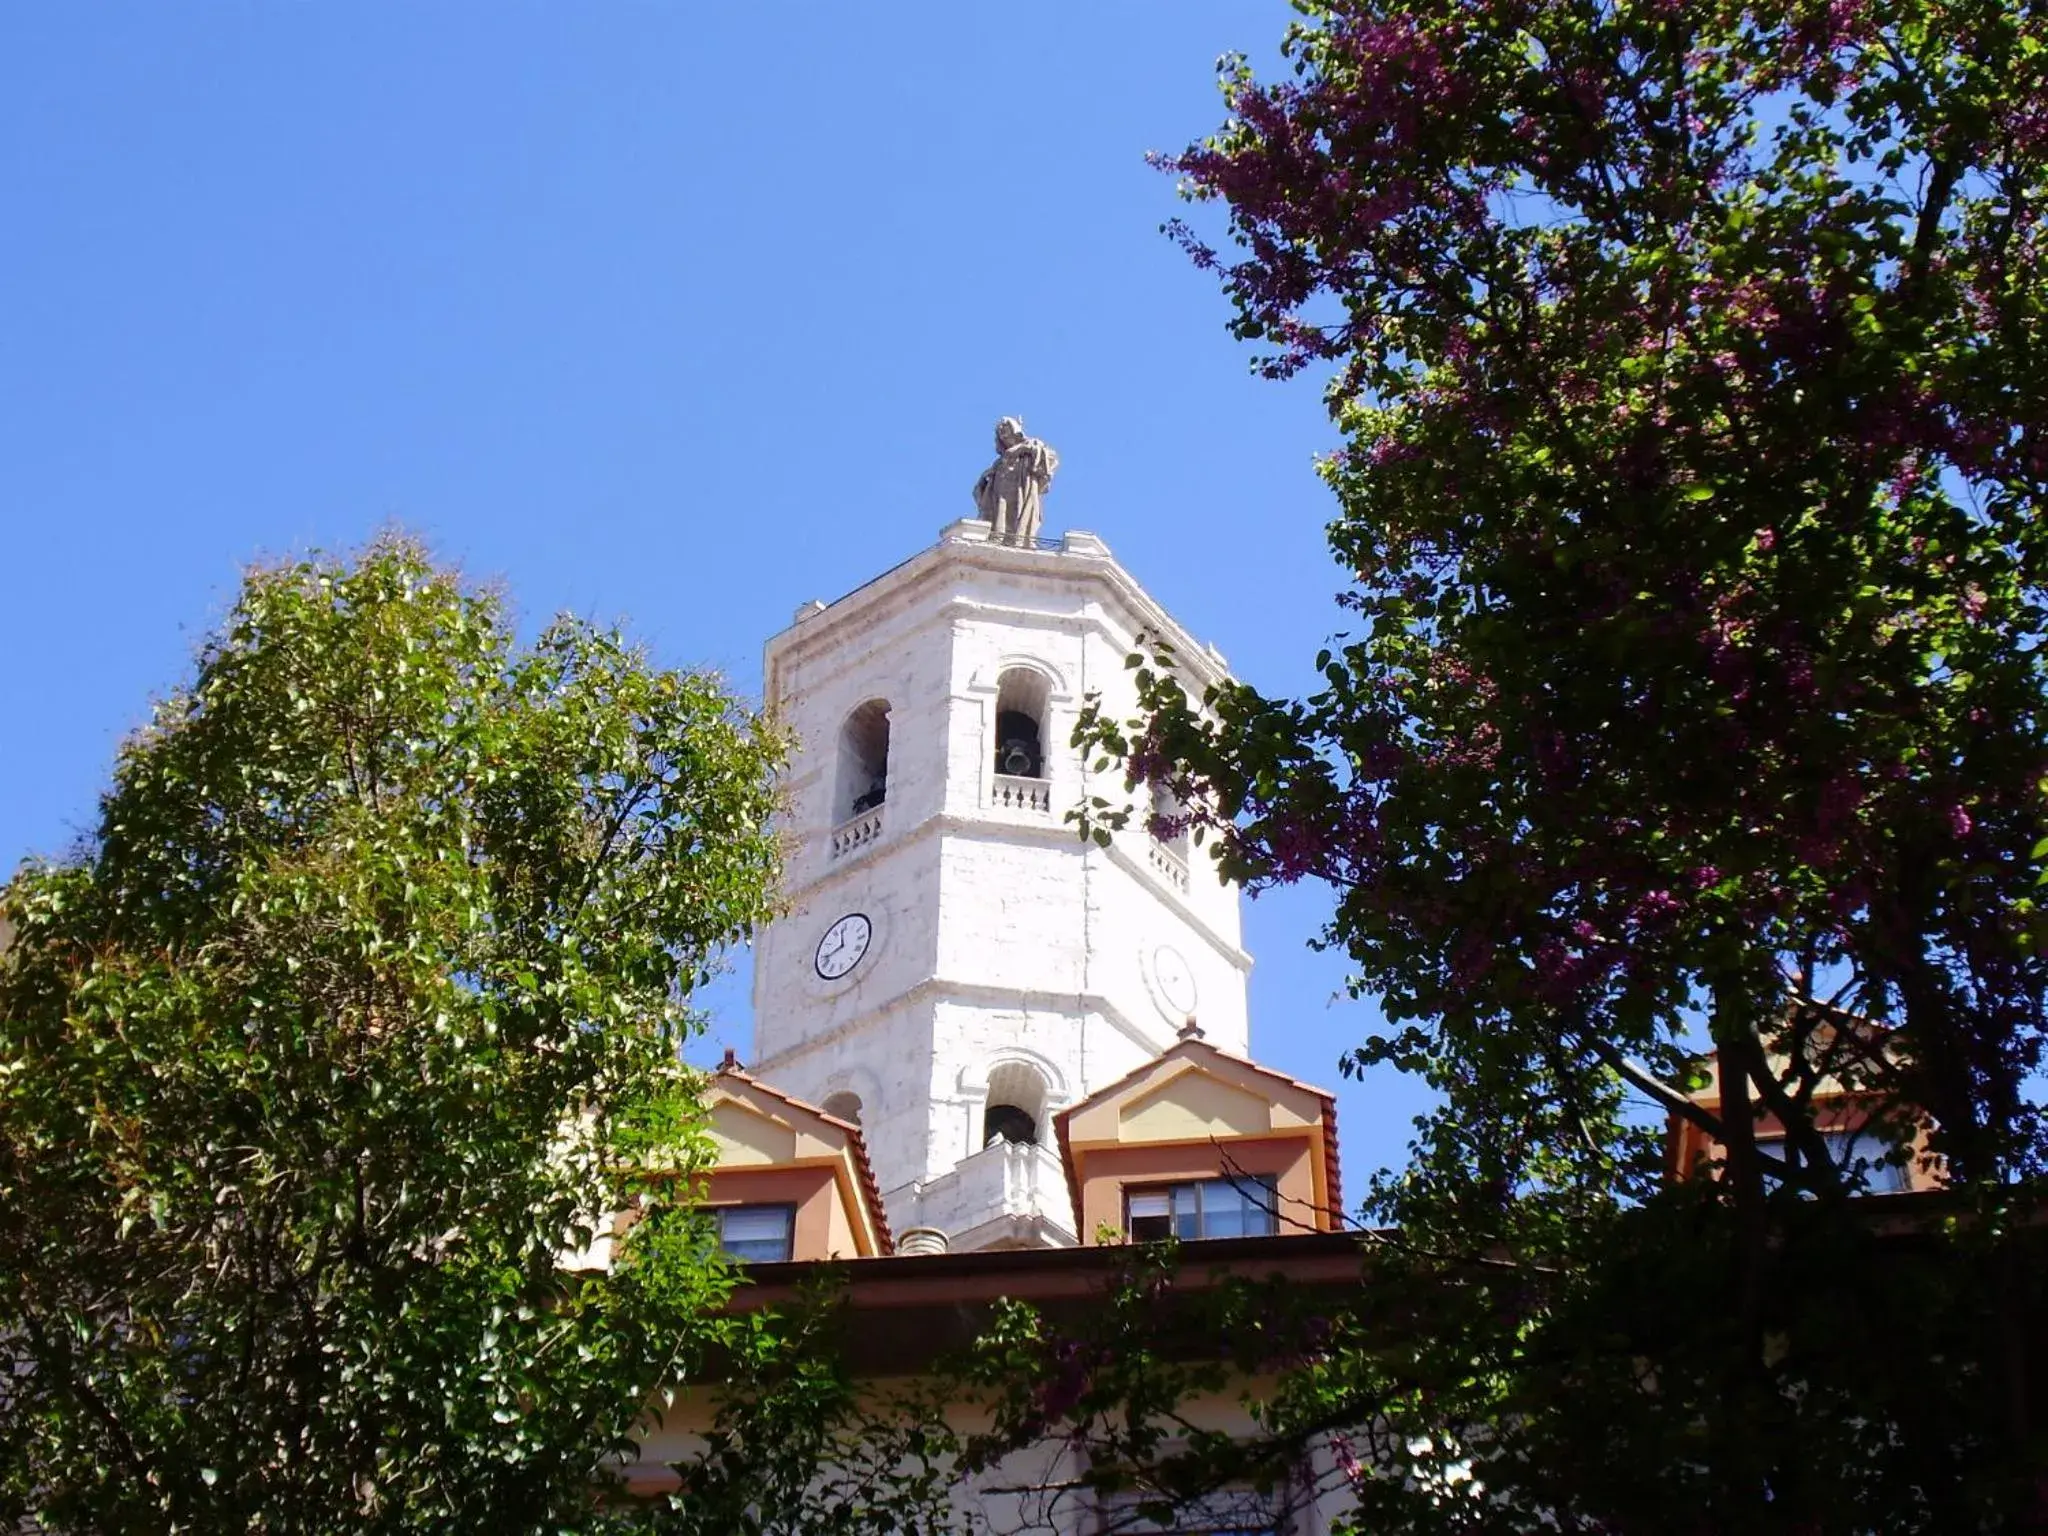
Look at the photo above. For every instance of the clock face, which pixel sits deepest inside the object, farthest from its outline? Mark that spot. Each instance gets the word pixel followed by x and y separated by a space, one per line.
pixel 839 951
pixel 1175 982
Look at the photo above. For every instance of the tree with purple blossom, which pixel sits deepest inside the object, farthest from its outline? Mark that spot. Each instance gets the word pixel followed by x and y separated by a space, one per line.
pixel 1691 365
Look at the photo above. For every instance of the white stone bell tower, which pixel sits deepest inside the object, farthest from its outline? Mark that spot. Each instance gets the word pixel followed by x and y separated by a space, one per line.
pixel 956 963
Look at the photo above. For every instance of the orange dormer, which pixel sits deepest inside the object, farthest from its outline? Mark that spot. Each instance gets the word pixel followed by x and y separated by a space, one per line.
pixel 1846 1116
pixel 1200 1143
pixel 788 1181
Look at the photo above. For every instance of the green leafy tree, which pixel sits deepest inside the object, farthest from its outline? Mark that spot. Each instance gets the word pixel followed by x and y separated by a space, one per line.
pixel 322 1059
pixel 1689 360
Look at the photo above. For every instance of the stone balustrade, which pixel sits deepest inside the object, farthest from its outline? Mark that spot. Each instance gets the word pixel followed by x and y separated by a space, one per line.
pixel 1012 793
pixel 1003 1179
pixel 1171 867
pixel 857 832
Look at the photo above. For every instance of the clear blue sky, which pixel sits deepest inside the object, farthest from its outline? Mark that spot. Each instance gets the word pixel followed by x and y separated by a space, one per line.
pixel 676 314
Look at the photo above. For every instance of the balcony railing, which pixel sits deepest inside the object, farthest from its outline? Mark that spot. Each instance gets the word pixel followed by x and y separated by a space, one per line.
pixel 856 832
pixel 1012 793
pixel 1005 1178
pixel 1172 868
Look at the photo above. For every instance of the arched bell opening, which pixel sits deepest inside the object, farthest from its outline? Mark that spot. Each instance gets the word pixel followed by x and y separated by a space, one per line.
pixel 863 781
pixel 1169 821
pixel 1015 1111
pixel 1022 699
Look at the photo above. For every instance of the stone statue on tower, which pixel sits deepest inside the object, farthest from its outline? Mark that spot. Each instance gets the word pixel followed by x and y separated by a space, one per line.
pixel 1010 493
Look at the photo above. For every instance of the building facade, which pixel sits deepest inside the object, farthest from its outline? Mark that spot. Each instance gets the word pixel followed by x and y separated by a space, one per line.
pixel 957 965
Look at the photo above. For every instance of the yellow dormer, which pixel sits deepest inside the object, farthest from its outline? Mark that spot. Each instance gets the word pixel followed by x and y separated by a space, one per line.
pixel 1202 1144
pixel 788 1181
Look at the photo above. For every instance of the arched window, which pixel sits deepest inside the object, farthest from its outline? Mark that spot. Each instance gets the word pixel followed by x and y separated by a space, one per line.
pixel 863 760
pixel 844 1105
pixel 1021 699
pixel 1016 1104
pixel 1169 821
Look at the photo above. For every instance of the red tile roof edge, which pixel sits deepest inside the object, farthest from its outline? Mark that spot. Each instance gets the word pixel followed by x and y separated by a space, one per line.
pixel 1059 1129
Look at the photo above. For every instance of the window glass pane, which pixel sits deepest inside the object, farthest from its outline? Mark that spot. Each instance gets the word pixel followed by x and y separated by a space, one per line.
pixel 1776 1149
pixel 755 1223
pixel 1246 1207
pixel 1254 1208
pixel 1847 1148
pixel 1235 1207
pixel 760 1233
pixel 1240 1207
pixel 1148 1215
pixel 1228 1213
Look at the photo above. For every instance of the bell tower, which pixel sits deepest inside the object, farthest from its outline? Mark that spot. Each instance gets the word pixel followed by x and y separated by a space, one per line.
pixel 955 963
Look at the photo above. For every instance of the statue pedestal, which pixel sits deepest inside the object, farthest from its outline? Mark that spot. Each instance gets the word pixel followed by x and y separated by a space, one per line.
pixel 975 530
pixel 1076 541
pixel 969 530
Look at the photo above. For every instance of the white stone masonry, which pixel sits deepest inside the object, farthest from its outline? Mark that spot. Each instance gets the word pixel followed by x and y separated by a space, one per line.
pixel 1006 962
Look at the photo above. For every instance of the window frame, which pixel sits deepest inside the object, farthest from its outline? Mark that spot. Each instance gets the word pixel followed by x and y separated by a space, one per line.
pixel 1865 1143
pixel 1845 1146
pixel 786 1207
pixel 1246 1186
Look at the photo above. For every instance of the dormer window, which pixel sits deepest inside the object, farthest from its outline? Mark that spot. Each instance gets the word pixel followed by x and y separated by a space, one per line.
pixel 787 1181
pixel 1871 1152
pixel 1242 1206
pixel 757 1234
pixel 1198 1143
pixel 1022 696
pixel 863 760
pixel 1861 1151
